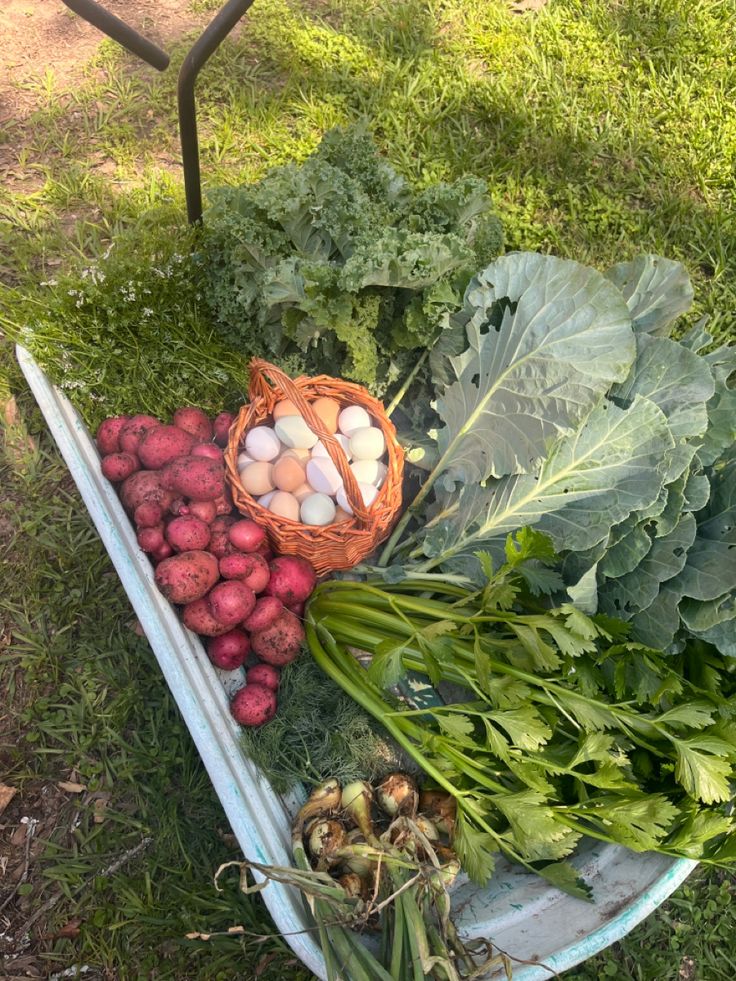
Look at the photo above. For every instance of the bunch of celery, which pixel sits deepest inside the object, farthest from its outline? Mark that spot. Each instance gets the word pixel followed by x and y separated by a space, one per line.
pixel 565 728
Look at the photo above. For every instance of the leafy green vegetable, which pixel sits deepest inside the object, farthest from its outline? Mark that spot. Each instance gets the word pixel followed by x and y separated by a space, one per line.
pixel 629 468
pixel 338 262
pixel 318 732
pixel 562 726
pixel 130 331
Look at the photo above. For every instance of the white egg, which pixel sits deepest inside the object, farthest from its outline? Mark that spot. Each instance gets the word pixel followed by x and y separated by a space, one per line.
pixel 368 492
pixel 369 472
pixel 295 433
pixel 266 499
pixel 319 450
pixel 243 461
pixel 262 443
pixel 352 418
pixel 367 443
pixel 317 509
pixel 324 476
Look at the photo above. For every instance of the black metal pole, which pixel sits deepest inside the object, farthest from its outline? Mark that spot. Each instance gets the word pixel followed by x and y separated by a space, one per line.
pixel 202 49
pixel 119 31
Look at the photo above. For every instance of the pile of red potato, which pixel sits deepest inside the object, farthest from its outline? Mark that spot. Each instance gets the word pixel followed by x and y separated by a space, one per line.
pixel 209 561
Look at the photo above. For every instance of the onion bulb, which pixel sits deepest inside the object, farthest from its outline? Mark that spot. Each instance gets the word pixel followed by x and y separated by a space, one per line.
pixel 397 794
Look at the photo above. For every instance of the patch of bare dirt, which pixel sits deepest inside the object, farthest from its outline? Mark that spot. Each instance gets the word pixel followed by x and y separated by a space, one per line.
pixel 41 35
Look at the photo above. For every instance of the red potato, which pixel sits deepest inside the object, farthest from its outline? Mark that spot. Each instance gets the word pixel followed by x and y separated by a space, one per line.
pixel 249 569
pixel 229 651
pixel 188 576
pixel 263 674
pixel 147 515
pixel 198 617
pixel 264 613
pixel 231 602
pixel 194 421
pixel 108 434
pixel 235 566
pixel 246 535
pixel 221 427
pixel 162 553
pixel 195 476
pixel 253 705
pixel 219 542
pixel 145 487
pixel 133 431
pixel 162 445
pixel 186 533
pixel 210 450
pixel 119 466
pixel 224 504
pixel 279 643
pixel 296 608
pixel 178 506
pixel 292 579
pixel 151 539
pixel 204 510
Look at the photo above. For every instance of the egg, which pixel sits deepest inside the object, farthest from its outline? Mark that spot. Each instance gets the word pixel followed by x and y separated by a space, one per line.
pixel 369 472
pixel 294 432
pixel 288 473
pixel 340 516
pixel 324 476
pixel 367 443
pixel 262 443
pixel 257 478
pixel 302 454
pixel 368 492
pixel 304 491
pixel 284 408
pixel 328 411
pixel 319 449
pixel 284 505
pixel 352 418
pixel 243 461
pixel 266 499
pixel 317 509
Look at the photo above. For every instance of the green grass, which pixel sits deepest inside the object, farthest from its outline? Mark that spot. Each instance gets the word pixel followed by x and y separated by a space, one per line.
pixel 603 129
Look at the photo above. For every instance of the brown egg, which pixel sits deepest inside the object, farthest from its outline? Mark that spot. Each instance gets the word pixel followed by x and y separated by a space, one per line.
pixel 341 516
pixel 285 505
pixel 288 473
pixel 257 478
pixel 297 454
pixel 285 408
pixel 304 490
pixel 328 410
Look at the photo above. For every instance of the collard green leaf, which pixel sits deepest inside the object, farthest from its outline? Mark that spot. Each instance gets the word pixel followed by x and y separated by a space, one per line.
pixel 657 625
pixel 713 621
pixel 657 291
pixel 546 339
pixel 626 554
pixel 721 431
pixel 697 492
pixel 636 590
pixel 584 592
pixel 672 377
pixel 589 482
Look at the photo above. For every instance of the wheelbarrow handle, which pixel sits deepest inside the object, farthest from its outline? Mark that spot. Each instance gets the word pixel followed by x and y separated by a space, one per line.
pixel 119 31
pixel 200 52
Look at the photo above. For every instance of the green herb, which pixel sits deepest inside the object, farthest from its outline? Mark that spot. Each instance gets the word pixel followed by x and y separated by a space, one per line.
pixel 131 331
pixel 318 732
pixel 569 408
pixel 340 262
pixel 568 728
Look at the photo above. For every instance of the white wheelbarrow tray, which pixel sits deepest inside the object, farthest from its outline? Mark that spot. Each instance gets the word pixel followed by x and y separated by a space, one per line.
pixel 519 912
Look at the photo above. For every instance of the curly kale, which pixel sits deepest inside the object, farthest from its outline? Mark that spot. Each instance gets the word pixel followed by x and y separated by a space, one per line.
pixel 338 264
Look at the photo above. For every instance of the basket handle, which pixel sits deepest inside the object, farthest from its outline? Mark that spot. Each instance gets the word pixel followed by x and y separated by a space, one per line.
pixel 260 373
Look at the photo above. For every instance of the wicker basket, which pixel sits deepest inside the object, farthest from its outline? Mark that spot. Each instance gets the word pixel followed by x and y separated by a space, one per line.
pixel 330 547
